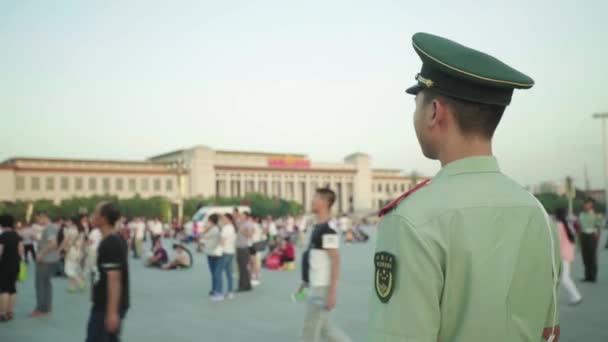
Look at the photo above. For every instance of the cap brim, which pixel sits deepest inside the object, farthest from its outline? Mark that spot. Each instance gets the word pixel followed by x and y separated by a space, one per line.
pixel 415 89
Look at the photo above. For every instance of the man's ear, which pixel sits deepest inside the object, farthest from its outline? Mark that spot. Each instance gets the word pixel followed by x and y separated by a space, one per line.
pixel 440 110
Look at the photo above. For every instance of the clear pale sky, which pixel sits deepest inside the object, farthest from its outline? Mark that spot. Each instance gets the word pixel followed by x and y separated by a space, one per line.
pixel 131 79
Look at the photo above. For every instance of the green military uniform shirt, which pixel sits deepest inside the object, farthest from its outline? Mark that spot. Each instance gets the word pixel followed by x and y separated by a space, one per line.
pixel 466 258
pixel 590 222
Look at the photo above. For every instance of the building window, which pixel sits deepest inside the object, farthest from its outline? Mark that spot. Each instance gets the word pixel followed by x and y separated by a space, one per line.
pixel 105 184
pixel 220 188
pixel 50 183
pixel 387 188
pixel 263 187
pixel 145 184
pixel 156 184
pixel 92 184
pixel 379 187
pixel 35 183
pixel 289 191
pixel 235 188
pixel 78 184
pixel 169 185
pixel 132 184
pixel 276 188
pixel 64 183
pixel 20 183
pixel 249 186
pixel 118 184
pixel 395 188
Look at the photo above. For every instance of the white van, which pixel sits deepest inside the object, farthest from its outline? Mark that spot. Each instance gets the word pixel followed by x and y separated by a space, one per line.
pixel 202 215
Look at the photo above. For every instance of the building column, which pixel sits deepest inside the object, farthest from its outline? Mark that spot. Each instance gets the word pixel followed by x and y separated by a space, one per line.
pixel 283 187
pixel 242 185
pixel 344 187
pixel 228 185
pixel 307 206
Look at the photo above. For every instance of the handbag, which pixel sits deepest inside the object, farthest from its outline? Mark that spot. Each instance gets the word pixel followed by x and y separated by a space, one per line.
pixel 22 271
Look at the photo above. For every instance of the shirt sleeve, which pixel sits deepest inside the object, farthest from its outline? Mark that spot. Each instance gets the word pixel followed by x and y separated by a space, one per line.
pixel 405 308
pixel 330 240
pixel 110 256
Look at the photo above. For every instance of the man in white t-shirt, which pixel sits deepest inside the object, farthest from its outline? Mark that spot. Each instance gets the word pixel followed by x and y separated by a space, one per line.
pixel 323 269
pixel 272 227
pixel 139 231
pixel 95 238
pixel 156 229
pixel 256 238
pixel 290 224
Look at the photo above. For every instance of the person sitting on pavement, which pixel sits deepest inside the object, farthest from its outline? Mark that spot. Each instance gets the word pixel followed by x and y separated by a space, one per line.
pixel 288 254
pixel 183 258
pixel 159 258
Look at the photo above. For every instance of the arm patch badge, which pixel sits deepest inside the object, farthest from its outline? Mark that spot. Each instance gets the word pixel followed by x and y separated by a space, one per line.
pixel 384 278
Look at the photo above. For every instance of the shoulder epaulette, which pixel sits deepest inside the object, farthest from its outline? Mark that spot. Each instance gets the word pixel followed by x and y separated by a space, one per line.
pixel 396 201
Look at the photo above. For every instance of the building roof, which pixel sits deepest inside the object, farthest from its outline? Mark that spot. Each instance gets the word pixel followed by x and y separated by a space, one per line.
pixel 14 160
pixel 167 154
pixel 263 154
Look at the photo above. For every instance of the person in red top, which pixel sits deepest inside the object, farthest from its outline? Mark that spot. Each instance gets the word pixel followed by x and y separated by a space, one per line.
pixel 288 252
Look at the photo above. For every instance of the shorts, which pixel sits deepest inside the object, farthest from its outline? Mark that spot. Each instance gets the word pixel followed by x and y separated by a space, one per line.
pixel 8 281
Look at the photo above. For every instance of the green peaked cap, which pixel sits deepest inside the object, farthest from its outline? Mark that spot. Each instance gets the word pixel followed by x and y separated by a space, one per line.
pixel 454 70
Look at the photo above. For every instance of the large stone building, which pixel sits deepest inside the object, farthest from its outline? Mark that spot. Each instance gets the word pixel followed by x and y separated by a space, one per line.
pixel 202 171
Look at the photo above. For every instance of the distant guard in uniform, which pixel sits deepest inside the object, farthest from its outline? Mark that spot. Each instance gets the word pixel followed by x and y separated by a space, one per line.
pixel 470 255
pixel 590 233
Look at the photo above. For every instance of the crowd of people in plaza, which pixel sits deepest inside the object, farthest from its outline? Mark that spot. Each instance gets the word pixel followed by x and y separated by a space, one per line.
pixel 77 248
pixel 73 248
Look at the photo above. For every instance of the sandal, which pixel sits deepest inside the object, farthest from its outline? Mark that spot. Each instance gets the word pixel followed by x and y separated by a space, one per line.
pixel 3 318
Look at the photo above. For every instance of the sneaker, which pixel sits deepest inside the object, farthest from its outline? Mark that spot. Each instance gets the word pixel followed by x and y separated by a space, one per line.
pixel 217 298
pixel 576 302
pixel 38 313
pixel 230 295
pixel 255 282
pixel 299 296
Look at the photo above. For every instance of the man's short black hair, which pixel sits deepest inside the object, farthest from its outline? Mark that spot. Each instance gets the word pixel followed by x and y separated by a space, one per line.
pixel 235 209
pixel 590 200
pixel 472 118
pixel 328 194
pixel 110 212
pixel 247 214
pixel 7 221
pixel 214 218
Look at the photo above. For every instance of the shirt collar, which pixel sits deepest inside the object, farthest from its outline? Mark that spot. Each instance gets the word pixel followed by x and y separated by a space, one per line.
pixel 477 164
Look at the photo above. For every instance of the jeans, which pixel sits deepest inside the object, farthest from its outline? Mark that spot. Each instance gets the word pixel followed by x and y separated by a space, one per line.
pixel 242 259
pixel 44 287
pixel 317 325
pixel 227 262
pixel 96 330
pixel 215 268
pixel 29 250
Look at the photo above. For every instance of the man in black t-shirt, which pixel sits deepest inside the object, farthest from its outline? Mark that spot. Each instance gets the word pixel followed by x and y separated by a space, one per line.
pixel 321 273
pixel 111 279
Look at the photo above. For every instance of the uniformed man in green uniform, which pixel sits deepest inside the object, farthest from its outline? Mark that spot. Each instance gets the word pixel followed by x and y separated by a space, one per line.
pixel 470 255
pixel 590 233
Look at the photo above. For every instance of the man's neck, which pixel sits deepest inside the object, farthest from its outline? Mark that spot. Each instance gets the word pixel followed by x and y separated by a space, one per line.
pixel 106 230
pixel 323 216
pixel 464 147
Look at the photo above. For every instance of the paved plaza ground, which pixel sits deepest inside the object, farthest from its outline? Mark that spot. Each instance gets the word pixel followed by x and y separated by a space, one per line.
pixel 173 306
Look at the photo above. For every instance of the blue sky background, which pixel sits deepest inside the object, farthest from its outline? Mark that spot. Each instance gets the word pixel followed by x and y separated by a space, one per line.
pixel 131 79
